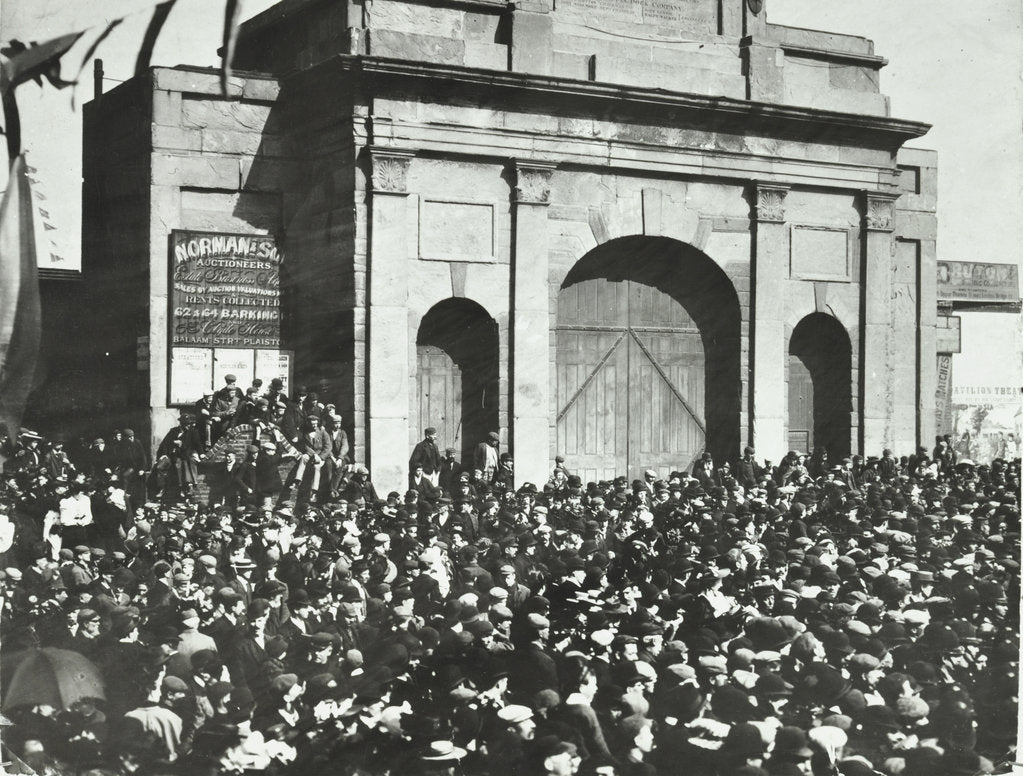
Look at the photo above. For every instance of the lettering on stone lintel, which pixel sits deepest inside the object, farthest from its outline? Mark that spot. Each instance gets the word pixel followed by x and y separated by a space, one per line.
pixel 695 15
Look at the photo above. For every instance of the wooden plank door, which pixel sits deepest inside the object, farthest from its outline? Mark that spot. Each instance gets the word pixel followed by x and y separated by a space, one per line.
pixel 800 406
pixel 592 378
pixel 439 383
pixel 666 366
pixel 629 380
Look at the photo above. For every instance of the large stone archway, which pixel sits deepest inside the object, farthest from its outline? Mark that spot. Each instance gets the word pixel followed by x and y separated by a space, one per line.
pixel 647 359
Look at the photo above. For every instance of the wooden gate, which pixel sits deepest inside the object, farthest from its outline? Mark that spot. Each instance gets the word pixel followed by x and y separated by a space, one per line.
pixel 630 380
pixel 800 406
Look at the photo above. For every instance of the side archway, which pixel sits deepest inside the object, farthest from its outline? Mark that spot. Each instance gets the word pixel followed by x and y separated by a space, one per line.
pixel 457 374
pixel 647 359
pixel 820 386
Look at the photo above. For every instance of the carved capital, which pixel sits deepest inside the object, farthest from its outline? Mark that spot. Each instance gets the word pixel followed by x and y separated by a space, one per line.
pixel 533 183
pixel 880 212
pixel 771 203
pixel 390 171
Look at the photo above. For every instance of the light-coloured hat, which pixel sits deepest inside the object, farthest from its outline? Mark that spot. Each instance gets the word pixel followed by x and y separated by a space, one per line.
pixel 444 750
pixel 515 713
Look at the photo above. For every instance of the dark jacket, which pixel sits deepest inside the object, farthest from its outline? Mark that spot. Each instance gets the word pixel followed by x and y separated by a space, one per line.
pixel 425 454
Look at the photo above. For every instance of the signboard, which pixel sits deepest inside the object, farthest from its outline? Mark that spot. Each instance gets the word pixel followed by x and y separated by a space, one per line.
pixel 943 395
pixel 974 281
pixel 988 396
pixel 225 315
pixel 949 334
pixel 191 374
pixel 225 290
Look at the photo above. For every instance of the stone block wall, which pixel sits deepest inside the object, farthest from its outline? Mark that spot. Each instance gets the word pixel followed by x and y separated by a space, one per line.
pixel 170 152
pixel 704 47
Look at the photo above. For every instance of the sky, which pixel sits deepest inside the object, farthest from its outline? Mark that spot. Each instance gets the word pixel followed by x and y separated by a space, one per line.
pixel 955 65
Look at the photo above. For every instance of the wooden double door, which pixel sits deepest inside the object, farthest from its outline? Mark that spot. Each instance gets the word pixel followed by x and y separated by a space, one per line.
pixel 630 376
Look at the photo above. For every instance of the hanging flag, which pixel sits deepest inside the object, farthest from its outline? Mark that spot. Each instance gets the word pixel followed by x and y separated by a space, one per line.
pixel 20 63
pixel 160 14
pixel 20 322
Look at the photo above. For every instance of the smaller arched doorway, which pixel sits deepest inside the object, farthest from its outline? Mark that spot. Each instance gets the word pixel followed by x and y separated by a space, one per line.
pixel 820 386
pixel 457 374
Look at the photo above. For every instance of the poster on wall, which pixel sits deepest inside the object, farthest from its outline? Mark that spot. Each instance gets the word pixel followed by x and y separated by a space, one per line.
pixel 225 290
pixel 191 374
pixel 237 362
pixel 943 395
pixel 271 364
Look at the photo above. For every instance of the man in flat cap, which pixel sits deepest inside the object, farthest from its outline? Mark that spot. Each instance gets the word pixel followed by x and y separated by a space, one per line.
pixel 426 455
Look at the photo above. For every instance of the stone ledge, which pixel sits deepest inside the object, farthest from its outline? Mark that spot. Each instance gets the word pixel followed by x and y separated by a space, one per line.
pixel 744 115
pixel 845 57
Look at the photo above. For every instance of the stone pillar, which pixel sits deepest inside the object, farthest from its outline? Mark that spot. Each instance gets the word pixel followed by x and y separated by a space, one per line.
pixel 387 384
pixel 878 256
pixel 530 358
pixel 770 272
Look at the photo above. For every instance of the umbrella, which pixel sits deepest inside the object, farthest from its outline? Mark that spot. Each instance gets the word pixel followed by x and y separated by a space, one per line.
pixel 52 677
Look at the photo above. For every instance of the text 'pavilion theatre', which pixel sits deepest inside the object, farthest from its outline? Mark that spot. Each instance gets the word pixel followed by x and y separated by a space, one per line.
pixel 624 231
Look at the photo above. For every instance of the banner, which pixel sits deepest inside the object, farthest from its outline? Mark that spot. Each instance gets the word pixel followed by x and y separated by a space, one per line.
pixel 225 290
pixel 974 281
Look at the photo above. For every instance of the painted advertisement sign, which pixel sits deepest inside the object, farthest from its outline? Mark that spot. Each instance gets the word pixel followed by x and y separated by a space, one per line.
pixel 225 290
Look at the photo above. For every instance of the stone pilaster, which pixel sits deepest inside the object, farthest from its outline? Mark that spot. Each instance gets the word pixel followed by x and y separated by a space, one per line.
pixel 530 376
pixel 878 257
pixel 928 306
pixel 770 270
pixel 388 336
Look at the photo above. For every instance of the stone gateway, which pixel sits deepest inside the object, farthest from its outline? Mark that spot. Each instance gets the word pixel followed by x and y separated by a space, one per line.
pixel 622 231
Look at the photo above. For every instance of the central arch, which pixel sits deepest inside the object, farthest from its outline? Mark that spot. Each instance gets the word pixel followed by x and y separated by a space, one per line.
pixel 647 359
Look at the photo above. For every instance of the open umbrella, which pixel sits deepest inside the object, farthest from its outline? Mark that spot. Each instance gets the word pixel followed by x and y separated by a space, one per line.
pixel 52 677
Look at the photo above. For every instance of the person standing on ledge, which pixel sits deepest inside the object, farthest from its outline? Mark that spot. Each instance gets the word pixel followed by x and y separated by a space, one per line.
pixel 426 455
pixel 485 457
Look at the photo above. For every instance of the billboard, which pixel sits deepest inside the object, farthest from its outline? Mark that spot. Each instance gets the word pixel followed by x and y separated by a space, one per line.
pixel 974 281
pixel 225 312
pixel 225 290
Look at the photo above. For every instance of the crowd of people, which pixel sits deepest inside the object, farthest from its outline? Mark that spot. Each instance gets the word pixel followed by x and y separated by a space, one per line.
pixel 216 611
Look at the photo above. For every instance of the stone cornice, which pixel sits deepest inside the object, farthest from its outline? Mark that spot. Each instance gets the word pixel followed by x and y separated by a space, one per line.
pixel 718 113
pixel 871 61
